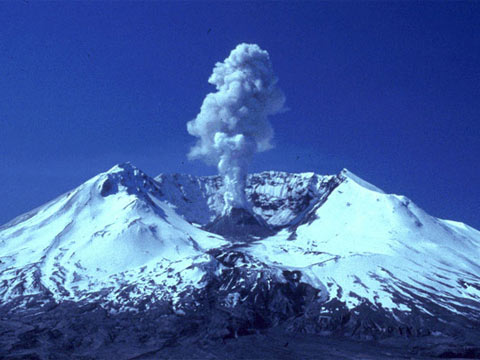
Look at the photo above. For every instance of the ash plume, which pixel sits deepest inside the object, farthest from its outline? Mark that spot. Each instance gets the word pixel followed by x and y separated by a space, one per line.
pixel 233 121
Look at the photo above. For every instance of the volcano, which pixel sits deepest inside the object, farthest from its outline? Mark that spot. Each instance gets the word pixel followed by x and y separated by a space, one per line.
pixel 131 266
pixel 239 223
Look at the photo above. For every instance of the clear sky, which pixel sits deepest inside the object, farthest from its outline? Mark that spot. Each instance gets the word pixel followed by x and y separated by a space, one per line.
pixel 390 91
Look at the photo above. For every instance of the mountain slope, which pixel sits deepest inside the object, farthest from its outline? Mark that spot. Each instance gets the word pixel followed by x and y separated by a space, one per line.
pixel 365 245
pixel 108 231
pixel 340 257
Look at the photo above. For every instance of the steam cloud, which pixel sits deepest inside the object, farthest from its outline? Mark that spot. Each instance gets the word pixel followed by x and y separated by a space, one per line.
pixel 233 121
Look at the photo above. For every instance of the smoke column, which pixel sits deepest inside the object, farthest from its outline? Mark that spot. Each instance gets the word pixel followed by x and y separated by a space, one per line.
pixel 233 121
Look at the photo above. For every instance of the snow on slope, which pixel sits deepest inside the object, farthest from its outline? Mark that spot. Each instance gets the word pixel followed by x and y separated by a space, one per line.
pixel 122 237
pixel 111 229
pixel 365 244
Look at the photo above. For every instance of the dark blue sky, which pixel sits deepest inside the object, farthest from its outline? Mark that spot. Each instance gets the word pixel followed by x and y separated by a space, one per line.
pixel 389 90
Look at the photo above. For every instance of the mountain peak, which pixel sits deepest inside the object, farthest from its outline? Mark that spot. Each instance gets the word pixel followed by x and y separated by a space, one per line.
pixel 128 177
pixel 347 174
pixel 125 167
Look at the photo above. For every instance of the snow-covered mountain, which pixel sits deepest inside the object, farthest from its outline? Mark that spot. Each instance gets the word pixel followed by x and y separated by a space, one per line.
pixel 351 239
pixel 110 233
pixel 339 255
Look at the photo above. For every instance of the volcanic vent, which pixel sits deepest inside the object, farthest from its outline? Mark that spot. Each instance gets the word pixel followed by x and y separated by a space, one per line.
pixel 238 222
pixel 232 126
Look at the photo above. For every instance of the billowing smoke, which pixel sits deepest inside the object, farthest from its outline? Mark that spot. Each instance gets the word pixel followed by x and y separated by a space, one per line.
pixel 233 121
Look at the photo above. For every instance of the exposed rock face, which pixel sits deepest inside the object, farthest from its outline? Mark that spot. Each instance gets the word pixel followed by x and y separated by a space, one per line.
pixel 279 198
